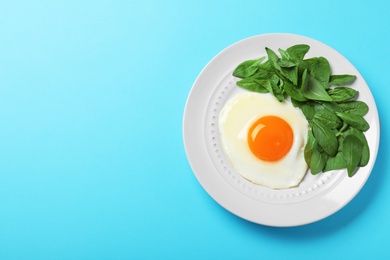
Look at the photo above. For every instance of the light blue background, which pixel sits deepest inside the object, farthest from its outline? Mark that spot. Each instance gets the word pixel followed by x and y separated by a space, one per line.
pixel 92 163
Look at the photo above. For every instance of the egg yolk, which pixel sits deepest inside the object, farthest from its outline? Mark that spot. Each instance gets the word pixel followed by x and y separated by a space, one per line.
pixel 270 138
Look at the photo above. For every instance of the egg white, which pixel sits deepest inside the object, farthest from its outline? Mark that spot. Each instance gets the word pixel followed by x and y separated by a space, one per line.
pixel 235 119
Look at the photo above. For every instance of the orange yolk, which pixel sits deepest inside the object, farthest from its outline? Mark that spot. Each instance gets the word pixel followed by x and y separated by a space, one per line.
pixel 270 138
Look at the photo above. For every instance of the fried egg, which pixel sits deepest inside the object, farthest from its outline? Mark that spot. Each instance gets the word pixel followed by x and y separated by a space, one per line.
pixel 264 139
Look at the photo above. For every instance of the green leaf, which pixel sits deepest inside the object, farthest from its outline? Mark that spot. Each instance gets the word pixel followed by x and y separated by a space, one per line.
pixel 262 74
pixel 343 128
pixel 317 162
pixel 286 64
pixel 266 65
pixel 284 54
pixel 341 80
pixel 353 120
pixel 352 155
pixel 266 84
pixel 288 73
pixel 355 107
pixel 320 71
pixel 307 108
pixel 342 94
pixel 247 68
pixel 273 59
pixel 277 90
pixel 326 138
pixel 298 51
pixel 294 92
pixel 335 163
pixel 332 106
pixel 313 89
pixel 365 150
pixel 291 74
pixel 252 85
pixel 308 63
pixel 309 147
pixel 326 117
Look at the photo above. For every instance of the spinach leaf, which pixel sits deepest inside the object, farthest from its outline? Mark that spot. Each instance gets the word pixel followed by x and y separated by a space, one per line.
pixel 267 85
pixel 332 106
pixel 326 117
pixel 311 144
pixel 273 59
pixel 277 90
pixel 247 68
pixel 284 54
pixel 298 51
pixel 307 108
pixel 308 63
pixel 320 70
pixel 317 162
pixel 356 121
pixel 354 107
pixel 352 155
pixel 291 73
pixel 286 64
pixel 326 138
pixel 342 94
pixel 365 150
pixel 335 163
pixel 262 74
pixel 266 65
pixel 313 89
pixel 343 128
pixel 294 92
pixel 252 85
pixel 341 80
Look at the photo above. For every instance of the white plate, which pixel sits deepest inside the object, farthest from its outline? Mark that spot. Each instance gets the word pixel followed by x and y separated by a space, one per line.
pixel 317 196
